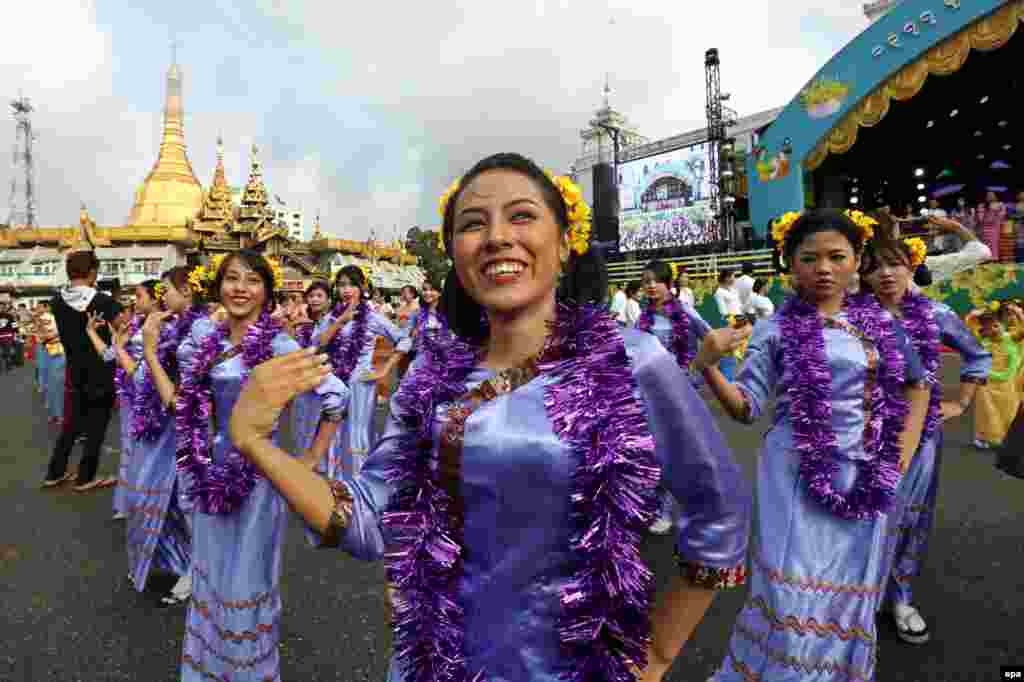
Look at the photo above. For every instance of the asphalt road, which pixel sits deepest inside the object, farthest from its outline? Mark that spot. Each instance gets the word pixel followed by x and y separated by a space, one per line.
pixel 69 614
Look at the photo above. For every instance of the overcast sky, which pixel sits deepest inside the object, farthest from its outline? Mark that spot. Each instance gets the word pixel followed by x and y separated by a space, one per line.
pixel 365 111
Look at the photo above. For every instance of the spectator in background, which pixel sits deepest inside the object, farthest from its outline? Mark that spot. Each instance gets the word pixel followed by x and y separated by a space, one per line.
pixel 91 380
pixel 8 335
pixel 991 216
pixel 684 292
pixel 761 306
pixel 745 285
pixel 632 311
pixel 618 306
pixel 409 306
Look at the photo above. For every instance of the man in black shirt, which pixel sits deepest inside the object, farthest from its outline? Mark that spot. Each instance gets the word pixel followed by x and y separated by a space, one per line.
pixel 91 379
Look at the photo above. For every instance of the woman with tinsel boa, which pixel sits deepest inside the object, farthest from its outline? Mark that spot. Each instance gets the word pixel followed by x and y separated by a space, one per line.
pixel 158 527
pixel 517 473
pixel 680 330
pixel 348 335
pixel 424 323
pixel 306 408
pixel 1000 398
pixel 889 266
pixel 851 402
pixel 239 520
pixel 126 351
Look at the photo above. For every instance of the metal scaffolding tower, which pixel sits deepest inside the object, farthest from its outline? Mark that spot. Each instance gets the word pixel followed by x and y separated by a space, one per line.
pixel 23 190
pixel 719 119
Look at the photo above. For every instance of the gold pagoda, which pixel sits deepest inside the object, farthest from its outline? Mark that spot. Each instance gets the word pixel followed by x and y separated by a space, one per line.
pixel 174 221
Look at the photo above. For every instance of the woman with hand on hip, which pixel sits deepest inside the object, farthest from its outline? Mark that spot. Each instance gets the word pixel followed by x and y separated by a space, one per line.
pixel 847 422
pixel 888 269
pixel 518 469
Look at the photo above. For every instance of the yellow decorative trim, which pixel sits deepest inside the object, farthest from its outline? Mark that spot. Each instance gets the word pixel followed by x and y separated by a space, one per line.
pixel 986 34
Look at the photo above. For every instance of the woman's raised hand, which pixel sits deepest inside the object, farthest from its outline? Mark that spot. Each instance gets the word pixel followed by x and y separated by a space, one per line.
pixel 151 328
pixel 719 343
pixel 270 387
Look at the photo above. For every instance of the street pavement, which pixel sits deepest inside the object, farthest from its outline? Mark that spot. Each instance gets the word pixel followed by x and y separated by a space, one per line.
pixel 70 615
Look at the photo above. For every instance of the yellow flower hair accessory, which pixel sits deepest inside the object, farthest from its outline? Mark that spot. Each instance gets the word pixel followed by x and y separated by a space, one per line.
pixel 578 210
pixel 781 227
pixel 275 267
pixel 865 222
pixel 675 271
pixel 366 274
pixel 918 250
pixel 161 290
pixel 440 238
pixel 994 306
pixel 202 276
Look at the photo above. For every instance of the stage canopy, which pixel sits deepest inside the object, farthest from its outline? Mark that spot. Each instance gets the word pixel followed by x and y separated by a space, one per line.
pixel 922 103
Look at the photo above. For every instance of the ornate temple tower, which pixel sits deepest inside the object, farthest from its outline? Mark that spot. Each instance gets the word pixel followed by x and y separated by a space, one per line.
pixel 170 194
pixel 217 211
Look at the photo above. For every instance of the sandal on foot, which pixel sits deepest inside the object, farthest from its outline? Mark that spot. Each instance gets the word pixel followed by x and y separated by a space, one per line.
pixel 910 626
pixel 94 484
pixel 56 482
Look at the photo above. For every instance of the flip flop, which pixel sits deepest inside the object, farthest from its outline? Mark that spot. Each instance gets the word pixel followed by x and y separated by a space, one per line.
pixel 59 481
pixel 94 484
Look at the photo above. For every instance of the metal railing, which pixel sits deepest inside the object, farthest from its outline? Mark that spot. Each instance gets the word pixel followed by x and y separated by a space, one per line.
pixel 698 267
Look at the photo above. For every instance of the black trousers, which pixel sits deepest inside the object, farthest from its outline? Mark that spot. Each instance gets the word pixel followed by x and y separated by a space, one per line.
pixel 88 415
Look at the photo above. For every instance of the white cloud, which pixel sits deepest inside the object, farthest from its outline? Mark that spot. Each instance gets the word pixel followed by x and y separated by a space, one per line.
pixel 420 94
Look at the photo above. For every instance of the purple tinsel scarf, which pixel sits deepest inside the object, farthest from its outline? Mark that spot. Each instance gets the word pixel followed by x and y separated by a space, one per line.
pixel 594 410
pixel 923 330
pixel 217 487
pixel 122 382
pixel 809 392
pixel 148 413
pixel 680 342
pixel 344 350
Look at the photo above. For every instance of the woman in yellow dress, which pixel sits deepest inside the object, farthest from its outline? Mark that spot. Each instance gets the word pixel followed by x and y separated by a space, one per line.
pixel 997 402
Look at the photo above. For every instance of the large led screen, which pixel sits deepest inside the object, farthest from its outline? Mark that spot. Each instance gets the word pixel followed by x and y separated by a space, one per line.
pixel 664 201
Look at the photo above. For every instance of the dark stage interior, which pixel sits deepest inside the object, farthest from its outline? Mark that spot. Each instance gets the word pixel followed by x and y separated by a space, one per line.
pixel 959 130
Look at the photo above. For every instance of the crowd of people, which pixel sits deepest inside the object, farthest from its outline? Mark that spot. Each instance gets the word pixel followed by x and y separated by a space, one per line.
pixel 538 432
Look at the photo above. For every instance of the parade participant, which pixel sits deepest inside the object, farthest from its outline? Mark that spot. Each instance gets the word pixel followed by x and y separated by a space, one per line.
pixel 307 408
pixel 680 330
pixel 423 323
pixel 518 469
pixel 158 532
pixel 633 310
pixel 90 381
pixel 888 268
pixel 349 337
pixel 50 364
pixel 239 521
pixel 745 286
pixel 409 305
pixel 991 216
pixel 848 419
pixel 126 351
pixel 729 305
pixel 999 399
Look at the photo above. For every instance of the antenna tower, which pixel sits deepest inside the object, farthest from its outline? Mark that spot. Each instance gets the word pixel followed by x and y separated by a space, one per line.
pixel 716 130
pixel 23 198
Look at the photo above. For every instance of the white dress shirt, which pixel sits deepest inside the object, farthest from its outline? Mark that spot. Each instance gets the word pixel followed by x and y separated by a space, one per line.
pixel 728 302
pixel 744 287
pixel 631 315
pixel 618 306
pixel 761 306
pixel 686 296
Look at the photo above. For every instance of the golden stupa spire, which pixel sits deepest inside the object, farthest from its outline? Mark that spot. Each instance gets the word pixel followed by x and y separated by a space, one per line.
pixel 171 194
pixel 217 210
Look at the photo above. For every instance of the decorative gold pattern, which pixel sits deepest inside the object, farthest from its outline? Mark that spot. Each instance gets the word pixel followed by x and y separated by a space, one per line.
pixel 808 626
pixel 986 34
pixel 203 609
pixel 237 663
pixel 341 515
pixel 258 600
pixel 804 666
pixel 813 584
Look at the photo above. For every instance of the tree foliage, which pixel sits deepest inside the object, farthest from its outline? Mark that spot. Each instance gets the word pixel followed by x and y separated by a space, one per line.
pixel 422 243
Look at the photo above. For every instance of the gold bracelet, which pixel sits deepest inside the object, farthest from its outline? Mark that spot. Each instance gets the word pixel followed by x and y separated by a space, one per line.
pixel 341 515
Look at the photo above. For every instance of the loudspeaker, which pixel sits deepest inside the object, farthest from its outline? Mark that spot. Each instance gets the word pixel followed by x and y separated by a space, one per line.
pixel 606 203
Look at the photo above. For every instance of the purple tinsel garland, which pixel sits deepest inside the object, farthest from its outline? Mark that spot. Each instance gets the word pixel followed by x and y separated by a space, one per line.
pixel 217 487
pixel 680 343
pixel 923 330
pixel 343 350
pixel 122 382
pixel 148 412
pixel 593 409
pixel 804 355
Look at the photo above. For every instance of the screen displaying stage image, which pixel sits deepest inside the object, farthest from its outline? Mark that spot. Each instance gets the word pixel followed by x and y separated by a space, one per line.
pixel 663 201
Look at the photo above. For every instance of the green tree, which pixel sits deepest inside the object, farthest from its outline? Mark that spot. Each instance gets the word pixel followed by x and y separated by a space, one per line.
pixel 423 244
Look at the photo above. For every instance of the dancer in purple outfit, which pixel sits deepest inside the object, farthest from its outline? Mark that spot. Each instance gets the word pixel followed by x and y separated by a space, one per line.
pixel 518 469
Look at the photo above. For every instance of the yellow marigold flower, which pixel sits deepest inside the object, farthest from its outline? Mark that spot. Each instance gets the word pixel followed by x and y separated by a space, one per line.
pixel 275 267
pixel 440 239
pixel 918 250
pixel 366 273
pixel 994 306
pixel 442 204
pixel 160 289
pixel 782 226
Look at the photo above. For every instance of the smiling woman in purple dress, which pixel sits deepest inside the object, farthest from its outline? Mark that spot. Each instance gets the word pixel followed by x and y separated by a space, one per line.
pixel 848 418
pixel 518 469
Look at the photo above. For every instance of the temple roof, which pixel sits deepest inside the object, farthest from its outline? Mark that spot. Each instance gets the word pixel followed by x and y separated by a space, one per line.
pixel 170 194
